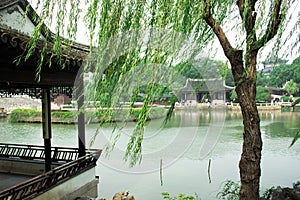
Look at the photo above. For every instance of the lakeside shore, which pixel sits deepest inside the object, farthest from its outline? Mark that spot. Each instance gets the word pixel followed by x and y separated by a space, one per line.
pixel 236 107
pixel 91 116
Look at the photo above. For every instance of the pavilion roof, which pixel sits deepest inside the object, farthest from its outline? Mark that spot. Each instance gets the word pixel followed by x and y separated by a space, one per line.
pixel 205 85
pixel 13 43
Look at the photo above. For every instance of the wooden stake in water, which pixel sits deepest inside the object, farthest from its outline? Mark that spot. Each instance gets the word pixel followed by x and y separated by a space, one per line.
pixel 208 170
pixel 160 173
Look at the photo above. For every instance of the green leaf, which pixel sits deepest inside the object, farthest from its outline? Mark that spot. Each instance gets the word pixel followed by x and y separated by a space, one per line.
pixel 297 136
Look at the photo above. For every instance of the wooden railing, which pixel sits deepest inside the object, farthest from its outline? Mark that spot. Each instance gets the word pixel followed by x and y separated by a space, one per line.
pixel 35 152
pixel 44 182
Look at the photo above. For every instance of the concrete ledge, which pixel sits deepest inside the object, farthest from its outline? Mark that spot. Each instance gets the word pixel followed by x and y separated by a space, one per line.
pixel 85 184
pixel 24 167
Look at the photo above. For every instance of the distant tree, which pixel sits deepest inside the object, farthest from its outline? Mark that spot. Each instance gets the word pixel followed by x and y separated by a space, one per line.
pixel 233 95
pixel 280 75
pixel 229 79
pixel 262 94
pixel 291 87
pixel 285 72
pixel 295 67
pixel 207 66
pixel 262 80
pixel 285 98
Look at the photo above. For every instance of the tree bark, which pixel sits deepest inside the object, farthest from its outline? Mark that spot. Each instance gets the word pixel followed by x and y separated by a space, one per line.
pixel 251 156
pixel 244 74
pixel 252 144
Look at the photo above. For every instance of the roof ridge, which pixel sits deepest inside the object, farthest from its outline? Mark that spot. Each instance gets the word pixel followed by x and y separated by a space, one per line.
pixel 7 3
pixel 35 18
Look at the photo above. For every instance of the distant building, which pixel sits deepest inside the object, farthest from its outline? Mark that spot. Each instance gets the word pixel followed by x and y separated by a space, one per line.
pixel 269 65
pixel 62 99
pixel 276 93
pixel 204 90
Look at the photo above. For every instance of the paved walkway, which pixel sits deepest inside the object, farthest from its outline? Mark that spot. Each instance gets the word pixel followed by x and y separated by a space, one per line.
pixel 8 180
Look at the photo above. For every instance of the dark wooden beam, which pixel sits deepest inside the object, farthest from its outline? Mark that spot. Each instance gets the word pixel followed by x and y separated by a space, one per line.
pixel 47 135
pixel 81 119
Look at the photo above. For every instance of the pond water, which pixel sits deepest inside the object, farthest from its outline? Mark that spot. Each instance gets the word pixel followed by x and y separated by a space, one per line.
pixel 183 147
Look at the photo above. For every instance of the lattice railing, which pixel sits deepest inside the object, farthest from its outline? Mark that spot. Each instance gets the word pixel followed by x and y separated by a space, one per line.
pixel 38 184
pixel 35 152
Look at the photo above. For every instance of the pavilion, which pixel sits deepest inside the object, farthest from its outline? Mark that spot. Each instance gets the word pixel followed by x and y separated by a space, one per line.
pixel 212 90
pixel 51 166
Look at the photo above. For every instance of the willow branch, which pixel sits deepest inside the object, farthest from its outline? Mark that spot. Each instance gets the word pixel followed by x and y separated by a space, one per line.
pixel 217 29
pixel 241 4
pixel 248 14
pixel 272 27
pixel 234 56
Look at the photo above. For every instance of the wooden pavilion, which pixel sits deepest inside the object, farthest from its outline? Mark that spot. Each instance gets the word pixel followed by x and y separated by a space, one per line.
pixel 62 77
pixel 196 91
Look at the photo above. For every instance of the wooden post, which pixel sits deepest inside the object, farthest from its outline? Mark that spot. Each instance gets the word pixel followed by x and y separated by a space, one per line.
pixel 46 118
pixel 81 120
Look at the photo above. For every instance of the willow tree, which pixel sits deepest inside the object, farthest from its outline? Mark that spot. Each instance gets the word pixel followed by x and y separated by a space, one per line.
pixel 127 37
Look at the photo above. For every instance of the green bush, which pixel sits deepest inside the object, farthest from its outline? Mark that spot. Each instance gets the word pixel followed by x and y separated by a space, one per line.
pixel 230 191
pixel 29 115
pixel 126 114
pixel 166 196
pixel 262 94
pixel 285 98
pixel 21 115
pixel 64 116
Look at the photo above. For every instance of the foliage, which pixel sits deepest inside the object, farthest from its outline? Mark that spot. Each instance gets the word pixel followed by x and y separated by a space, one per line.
pixel 285 98
pixel 296 70
pixel 163 94
pixel 283 73
pixel 262 94
pixel 268 193
pixel 64 116
pixel 296 102
pixel 125 114
pixel 229 78
pixel 20 114
pixel 233 95
pixel 262 80
pixel 204 66
pixel 166 196
pixel 297 184
pixel 230 191
pixel 291 87
pixel 296 137
pixel 128 37
pixel 137 41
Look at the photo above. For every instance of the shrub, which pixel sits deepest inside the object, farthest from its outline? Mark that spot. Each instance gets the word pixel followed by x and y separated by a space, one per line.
pixel 21 115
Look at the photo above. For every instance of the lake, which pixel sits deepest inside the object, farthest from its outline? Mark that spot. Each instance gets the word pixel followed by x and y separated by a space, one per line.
pixel 184 147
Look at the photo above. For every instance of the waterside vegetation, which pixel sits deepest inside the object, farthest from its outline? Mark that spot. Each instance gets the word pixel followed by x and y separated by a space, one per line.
pixel 92 116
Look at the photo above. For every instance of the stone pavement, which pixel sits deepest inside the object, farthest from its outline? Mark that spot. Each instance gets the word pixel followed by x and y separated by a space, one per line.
pixel 7 180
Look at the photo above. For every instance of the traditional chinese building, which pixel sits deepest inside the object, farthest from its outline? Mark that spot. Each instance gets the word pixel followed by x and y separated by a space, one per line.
pixel 47 171
pixel 204 90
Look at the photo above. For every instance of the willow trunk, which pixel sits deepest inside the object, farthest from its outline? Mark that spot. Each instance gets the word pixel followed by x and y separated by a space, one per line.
pixel 252 144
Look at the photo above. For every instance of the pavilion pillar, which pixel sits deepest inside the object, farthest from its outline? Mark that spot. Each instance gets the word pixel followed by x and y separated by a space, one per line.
pixel 46 121
pixel 81 118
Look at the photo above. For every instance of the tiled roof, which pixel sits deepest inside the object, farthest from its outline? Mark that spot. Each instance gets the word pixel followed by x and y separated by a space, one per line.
pixel 13 44
pixel 14 38
pixel 8 3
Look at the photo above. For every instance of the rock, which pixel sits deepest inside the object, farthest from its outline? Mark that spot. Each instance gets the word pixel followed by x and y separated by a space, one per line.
pixel 123 196
pixel 84 198
pixel 286 193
